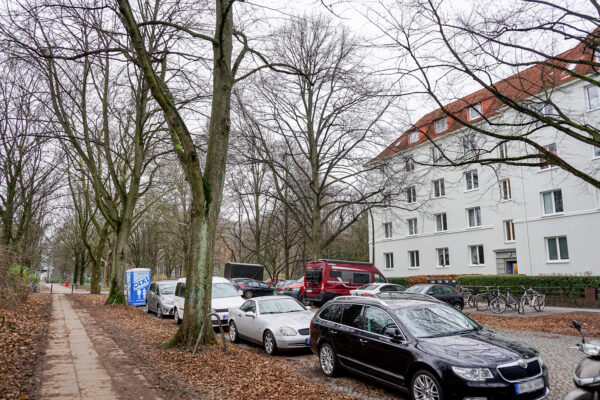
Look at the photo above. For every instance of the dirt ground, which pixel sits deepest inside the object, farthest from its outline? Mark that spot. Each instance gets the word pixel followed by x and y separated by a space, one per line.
pixel 22 343
pixel 211 373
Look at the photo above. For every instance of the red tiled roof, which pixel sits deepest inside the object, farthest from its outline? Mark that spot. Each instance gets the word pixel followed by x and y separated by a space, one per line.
pixel 520 86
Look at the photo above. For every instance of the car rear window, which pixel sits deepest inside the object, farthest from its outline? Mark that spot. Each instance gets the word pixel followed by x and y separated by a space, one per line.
pixel 331 313
pixel 313 275
pixel 416 289
pixel 351 315
pixel 368 287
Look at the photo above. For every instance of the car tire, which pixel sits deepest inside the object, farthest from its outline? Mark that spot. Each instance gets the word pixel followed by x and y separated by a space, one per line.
pixel 304 301
pixel 146 308
pixel 425 385
pixel 248 294
pixel 269 343
pixel 159 313
pixel 458 306
pixel 176 318
pixel 328 360
pixel 233 333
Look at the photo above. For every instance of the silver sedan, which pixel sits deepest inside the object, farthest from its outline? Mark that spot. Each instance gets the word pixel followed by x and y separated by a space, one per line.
pixel 276 322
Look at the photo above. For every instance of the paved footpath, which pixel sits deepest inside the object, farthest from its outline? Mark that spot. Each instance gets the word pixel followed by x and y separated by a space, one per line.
pixel 81 362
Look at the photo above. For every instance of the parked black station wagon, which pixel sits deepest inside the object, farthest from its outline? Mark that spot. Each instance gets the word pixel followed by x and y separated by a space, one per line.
pixel 425 347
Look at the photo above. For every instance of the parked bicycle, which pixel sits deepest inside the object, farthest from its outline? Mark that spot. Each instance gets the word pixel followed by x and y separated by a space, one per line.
pixel 469 295
pixel 482 300
pixel 533 298
pixel 499 301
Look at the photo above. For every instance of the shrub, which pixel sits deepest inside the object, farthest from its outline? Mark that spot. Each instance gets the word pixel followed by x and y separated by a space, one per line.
pixel 419 279
pixel 563 285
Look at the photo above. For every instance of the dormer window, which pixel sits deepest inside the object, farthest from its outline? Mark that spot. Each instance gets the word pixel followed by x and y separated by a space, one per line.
pixel 441 125
pixel 475 111
pixel 414 136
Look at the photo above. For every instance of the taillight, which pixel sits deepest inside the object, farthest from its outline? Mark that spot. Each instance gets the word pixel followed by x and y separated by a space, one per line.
pixel 366 294
pixel 322 286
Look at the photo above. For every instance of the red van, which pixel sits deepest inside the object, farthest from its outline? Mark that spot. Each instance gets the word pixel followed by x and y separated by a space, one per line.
pixel 326 279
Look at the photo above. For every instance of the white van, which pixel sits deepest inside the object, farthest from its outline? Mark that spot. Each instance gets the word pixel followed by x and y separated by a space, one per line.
pixel 224 297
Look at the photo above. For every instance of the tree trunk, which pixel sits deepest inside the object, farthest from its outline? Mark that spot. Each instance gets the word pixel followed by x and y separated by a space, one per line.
pixel 117 279
pixel 96 260
pixel 81 273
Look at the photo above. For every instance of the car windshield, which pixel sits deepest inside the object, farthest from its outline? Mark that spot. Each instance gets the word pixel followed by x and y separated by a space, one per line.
pixel 367 287
pixel 277 306
pixel 220 290
pixel 416 289
pixel 435 320
pixel 167 288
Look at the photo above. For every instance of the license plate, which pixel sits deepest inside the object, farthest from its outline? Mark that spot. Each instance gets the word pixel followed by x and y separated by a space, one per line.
pixel 307 340
pixel 529 386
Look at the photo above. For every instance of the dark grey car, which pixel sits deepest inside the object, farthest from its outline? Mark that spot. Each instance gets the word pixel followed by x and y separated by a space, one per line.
pixel 159 298
pixel 441 292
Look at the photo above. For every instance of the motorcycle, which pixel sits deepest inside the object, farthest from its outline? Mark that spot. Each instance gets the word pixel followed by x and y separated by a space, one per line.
pixel 587 374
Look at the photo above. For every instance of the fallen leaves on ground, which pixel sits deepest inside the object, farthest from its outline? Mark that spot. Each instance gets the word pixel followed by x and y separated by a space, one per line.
pixel 561 324
pixel 209 374
pixel 21 344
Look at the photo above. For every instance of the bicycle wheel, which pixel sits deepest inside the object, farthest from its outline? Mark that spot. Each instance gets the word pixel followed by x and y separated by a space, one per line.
pixel 481 302
pixel 539 303
pixel 471 300
pixel 511 302
pixel 521 309
pixel 497 305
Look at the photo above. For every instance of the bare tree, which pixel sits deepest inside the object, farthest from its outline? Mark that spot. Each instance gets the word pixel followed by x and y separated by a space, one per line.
pixel 313 130
pixel 440 50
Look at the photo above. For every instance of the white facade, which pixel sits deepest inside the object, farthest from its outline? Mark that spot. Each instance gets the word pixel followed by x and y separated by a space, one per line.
pixel 545 242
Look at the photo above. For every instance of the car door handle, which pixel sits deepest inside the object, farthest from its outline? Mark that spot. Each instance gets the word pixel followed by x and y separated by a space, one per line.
pixel 333 332
pixel 363 341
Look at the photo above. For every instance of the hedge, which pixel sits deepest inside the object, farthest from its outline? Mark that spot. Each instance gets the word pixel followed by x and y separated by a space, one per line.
pixel 419 279
pixel 548 281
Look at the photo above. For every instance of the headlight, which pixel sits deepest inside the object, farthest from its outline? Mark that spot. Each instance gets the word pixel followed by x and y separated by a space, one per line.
pixel 295 289
pixel 591 349
pixel 473 374
pixel 287 331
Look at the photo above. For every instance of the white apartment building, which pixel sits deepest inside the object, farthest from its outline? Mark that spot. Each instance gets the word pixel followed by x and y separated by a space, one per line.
pixel 492 219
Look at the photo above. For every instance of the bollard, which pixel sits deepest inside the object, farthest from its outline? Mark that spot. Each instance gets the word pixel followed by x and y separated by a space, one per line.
pixel 72 286
pixel 51 287
pixel 206 319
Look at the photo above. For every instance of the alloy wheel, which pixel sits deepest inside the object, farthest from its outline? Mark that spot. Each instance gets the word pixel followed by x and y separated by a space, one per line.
pixel 269 343
pixel 232 332
pixel 326 359
pixel 248 294
pixel 159 313
pixel 425 388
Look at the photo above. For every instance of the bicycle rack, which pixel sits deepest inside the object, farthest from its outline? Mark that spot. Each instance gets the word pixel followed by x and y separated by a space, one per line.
pixel 210 315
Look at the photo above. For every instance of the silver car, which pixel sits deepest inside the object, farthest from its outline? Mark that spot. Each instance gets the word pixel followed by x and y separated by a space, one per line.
pixel 159 298
pixel 276 322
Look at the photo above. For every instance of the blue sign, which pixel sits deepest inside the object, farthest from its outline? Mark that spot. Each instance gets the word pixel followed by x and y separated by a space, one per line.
pixel 138 282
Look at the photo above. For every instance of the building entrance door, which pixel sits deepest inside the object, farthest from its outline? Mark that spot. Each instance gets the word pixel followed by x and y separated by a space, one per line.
pixel 511 267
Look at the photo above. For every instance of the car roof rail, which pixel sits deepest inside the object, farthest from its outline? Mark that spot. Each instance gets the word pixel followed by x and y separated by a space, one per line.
pixel 375 299
pixel 406 296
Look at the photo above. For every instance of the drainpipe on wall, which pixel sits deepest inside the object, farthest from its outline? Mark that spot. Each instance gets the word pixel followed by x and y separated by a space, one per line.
pixel 372 238
pixel 526 223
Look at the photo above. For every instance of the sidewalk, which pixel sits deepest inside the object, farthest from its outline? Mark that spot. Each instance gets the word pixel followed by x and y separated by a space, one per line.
pixel 81 362
pixel 59 288
pixel 530 312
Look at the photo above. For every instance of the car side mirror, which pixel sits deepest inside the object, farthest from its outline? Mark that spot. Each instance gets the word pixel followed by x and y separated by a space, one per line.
pixel 250 314
pixel 578 327
pixel 307 308
pixel 394 333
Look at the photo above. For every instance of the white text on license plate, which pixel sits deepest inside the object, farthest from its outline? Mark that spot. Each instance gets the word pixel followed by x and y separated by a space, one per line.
pixel 529 386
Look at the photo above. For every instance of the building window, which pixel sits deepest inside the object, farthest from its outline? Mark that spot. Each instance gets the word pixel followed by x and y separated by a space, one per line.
pixel 509 230
pixel 389 260
pixel 411 194
pixel 503 150
pixel 412 226
pixel 410 165
pixel 593 97
pixel 476 255
pixel 441 222
pixel 387 201
pixel 553 202
pixel 474 111
pixel 552 149
pixel 414 136
pixel 543 110
pixel 472 180
pixel 505 190
pixel 438 188
pixel 413 259
pixel 557 248
pixel 443 257
pixel 474 215
pixel 469 145
pixel 436 155
pixel 441 125
pixel 596 151
pixel 387 229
